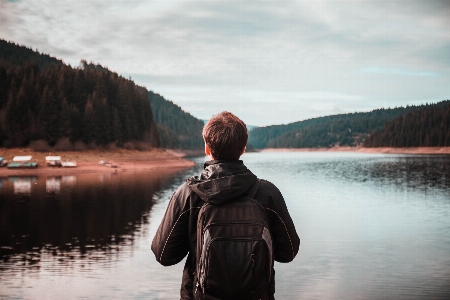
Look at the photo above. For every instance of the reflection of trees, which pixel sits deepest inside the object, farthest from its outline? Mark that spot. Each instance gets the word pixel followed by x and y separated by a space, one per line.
pixel 83 217
pixel 419 172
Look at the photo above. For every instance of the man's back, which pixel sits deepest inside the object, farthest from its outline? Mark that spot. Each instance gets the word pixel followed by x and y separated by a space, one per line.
pixel 220 182
pixel 234 249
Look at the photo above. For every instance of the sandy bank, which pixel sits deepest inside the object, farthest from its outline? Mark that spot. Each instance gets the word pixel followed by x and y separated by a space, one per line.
pixel 87 161
pixel 387 150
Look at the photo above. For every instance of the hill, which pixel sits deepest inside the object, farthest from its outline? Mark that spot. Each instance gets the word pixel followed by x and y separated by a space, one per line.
pixel 42 99
pixel 177 128
pixel 342 130
pixel 426 127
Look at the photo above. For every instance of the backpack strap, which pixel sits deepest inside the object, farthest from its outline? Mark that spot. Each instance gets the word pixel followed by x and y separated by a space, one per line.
pixel 253 189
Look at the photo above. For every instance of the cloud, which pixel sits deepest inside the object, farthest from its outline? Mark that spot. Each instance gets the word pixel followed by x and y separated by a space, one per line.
pixel 284 60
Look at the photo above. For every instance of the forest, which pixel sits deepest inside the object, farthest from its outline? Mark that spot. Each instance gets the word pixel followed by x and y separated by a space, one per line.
pixel 43 100
pixel 177 128
pixel 337 130
pixel 426 127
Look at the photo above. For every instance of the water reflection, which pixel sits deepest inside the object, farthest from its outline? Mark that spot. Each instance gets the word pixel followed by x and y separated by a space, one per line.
pixel 69 180
pixel 22 185
pixel 416 172
pixel 68 218
pixel 53 185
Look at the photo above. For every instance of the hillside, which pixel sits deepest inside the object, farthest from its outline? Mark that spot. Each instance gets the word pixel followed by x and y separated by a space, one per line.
pixel 177 128
pixel 426 127
pixel 43 100
pixel 343 130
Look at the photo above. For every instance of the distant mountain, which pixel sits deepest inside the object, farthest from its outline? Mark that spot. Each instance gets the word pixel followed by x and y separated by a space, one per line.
pixel 337 130
pixel 425 127
pixel 251 127
pixel 177 128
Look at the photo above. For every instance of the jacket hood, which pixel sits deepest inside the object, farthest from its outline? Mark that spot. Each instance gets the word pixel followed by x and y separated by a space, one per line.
pixel 222 181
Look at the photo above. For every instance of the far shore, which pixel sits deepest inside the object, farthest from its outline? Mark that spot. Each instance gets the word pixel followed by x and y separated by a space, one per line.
pixel 157 160
pixel 382 150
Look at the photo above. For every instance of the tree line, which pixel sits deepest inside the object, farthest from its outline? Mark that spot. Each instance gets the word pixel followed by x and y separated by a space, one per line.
pixel 338 130
pixel 19 54
pixel 427 127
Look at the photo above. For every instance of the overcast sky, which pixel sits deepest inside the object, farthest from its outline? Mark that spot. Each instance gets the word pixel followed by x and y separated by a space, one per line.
pixel 269 62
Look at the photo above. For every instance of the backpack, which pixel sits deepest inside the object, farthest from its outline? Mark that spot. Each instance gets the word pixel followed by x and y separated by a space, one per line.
pixel 234 250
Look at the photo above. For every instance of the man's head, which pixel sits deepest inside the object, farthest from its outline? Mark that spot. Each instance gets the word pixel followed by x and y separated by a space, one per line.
pixel 225 136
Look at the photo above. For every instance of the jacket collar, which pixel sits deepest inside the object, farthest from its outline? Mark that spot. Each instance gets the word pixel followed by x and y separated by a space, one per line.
pixel 222 181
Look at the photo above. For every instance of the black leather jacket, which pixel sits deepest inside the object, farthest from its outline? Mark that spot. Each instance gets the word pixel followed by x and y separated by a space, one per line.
pixel 219 182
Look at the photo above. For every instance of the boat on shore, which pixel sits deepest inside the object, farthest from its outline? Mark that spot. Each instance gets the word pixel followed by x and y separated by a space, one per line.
pixel 23 162
pixel 53 161
pixel 68 164
pixel 3 162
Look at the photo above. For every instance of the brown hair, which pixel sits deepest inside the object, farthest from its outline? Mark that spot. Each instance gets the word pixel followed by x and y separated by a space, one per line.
pixel 226 136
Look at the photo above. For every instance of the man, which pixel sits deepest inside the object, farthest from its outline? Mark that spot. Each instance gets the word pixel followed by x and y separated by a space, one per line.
pixel 224 177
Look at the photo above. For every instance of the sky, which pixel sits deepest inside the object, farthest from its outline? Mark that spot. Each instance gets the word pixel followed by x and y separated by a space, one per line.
pixel 268 62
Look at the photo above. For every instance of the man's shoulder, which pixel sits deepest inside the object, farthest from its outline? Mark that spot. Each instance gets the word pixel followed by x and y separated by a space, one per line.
pixel 183 187
pixel 266 182
pixel 183 194
pixel 268 194
pixel 268 187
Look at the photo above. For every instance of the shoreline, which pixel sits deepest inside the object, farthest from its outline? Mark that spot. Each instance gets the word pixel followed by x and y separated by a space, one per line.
pixel 87 161
pixel 158 159
pixel 380 150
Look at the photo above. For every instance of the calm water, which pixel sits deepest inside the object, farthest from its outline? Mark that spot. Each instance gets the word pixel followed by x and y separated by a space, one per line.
pixel 371 227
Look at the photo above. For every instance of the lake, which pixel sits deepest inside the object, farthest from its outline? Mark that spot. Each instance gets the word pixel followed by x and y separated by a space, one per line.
pixel 371 226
